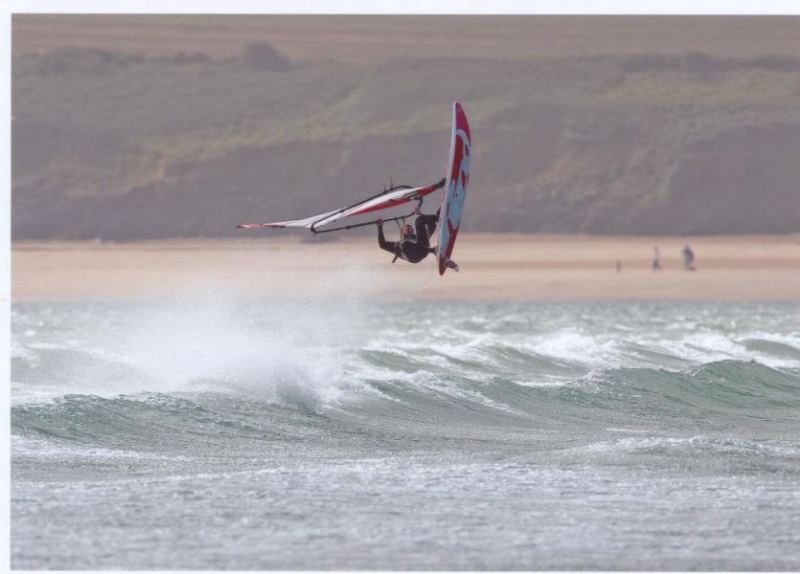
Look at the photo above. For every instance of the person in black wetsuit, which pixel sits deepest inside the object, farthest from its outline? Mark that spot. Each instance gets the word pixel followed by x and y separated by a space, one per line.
pixel 688 258
pixel 415 242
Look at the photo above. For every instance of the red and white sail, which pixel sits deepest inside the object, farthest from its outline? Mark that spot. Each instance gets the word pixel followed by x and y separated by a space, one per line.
pixel 391 198
pixel 455 191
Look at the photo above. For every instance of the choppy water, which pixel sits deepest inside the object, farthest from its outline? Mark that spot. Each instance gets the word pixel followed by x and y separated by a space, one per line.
pixel 205 434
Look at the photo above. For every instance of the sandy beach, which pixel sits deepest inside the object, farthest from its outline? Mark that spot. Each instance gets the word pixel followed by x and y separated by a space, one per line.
pixel 501 267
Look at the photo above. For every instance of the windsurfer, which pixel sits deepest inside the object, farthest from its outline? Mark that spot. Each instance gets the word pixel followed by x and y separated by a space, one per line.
pixel 415 242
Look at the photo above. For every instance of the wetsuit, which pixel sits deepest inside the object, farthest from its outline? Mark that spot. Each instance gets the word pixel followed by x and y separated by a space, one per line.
pixel 412 249
pixel 688 258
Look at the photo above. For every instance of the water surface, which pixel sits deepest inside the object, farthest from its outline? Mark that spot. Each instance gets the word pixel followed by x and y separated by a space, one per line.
pixel 278 435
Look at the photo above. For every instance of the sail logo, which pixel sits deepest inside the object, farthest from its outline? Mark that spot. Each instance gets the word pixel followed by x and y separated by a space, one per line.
pixel 459 183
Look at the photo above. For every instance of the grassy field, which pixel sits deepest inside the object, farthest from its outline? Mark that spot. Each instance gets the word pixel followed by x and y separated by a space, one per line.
pixel 365 39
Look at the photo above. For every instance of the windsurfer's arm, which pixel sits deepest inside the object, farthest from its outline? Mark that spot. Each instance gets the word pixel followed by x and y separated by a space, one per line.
pixel 389 246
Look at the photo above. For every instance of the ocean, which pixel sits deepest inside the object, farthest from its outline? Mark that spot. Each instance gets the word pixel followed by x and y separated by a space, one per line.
pixel 205 433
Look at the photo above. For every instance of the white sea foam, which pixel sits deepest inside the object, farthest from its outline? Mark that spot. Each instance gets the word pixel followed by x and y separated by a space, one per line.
pixel 577 347
pixel 697 442
pixel 286 351
pixel 22 446
pixel 310 354
pixel 20 351
pixel 545 384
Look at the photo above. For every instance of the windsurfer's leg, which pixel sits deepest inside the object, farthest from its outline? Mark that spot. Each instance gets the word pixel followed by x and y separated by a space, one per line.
pixel 432 224
pixel 425 224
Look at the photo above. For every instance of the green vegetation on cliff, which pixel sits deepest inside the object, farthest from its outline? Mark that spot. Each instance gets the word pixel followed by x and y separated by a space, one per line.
pixel 122 146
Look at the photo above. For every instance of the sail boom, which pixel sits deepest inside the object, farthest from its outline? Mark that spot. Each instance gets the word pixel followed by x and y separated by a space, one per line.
pixel 391 198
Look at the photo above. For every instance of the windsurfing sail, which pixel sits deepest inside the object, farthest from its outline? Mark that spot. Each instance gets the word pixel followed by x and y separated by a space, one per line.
pixel 390 198
pixel 455 193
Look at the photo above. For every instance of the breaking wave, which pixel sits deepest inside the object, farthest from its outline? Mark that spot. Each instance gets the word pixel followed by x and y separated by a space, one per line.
pixel 147 376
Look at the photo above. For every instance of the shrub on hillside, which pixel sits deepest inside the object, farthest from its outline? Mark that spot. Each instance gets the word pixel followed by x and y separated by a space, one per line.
pixel 264 56
pixel 190 58
pixel 85 60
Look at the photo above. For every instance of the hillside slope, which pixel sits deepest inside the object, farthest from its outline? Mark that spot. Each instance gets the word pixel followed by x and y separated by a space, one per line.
pixel 125 146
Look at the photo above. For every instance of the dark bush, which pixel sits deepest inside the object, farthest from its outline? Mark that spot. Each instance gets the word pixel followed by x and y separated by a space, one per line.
pixel 778 63
pixel 265 57
pixel 85 60
pixel 190 58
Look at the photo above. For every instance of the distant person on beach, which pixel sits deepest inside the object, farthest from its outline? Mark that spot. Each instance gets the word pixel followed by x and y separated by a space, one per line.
pixel 656 259
pixel 619 266
pixel 688 258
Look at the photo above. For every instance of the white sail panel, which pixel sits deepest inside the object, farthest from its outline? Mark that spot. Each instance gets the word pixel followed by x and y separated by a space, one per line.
pixel 307 222
pixel 386 200
pixel 383 201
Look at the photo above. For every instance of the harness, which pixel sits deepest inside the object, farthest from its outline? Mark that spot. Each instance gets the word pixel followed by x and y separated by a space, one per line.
pixel 398 249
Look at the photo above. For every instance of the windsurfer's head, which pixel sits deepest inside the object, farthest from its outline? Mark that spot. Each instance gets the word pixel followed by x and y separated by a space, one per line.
pixel 406 231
